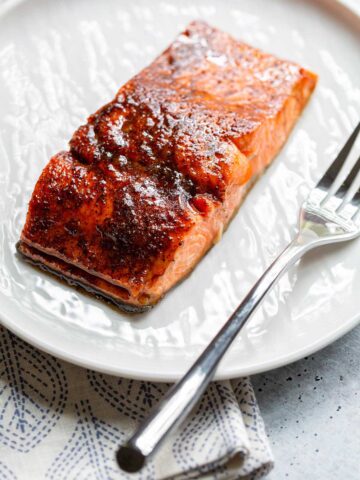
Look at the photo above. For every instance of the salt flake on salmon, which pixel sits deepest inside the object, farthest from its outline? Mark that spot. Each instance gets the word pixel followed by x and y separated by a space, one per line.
pixel 153 178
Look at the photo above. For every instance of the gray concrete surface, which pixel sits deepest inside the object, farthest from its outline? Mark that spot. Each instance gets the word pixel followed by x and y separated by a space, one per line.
pixel 312 413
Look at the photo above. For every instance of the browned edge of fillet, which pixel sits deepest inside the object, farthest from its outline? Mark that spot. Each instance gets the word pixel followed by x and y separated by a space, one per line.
pixel 24 251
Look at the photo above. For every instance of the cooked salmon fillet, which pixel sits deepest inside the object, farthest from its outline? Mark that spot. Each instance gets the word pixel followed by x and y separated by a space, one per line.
pixel 153 177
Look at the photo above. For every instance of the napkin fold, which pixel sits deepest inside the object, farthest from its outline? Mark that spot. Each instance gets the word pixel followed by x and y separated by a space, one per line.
pixel 62 422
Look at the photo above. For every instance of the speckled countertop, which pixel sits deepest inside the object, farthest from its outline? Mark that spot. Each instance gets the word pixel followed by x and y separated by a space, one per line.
pixel 312 412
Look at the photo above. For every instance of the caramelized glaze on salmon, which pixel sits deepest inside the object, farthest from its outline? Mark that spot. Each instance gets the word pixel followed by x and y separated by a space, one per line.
pixel 154 176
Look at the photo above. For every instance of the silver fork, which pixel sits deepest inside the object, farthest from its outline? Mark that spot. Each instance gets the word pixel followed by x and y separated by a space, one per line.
pixel 329 215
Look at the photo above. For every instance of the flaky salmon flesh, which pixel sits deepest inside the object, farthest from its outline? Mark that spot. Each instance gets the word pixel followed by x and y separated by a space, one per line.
pixel 152 179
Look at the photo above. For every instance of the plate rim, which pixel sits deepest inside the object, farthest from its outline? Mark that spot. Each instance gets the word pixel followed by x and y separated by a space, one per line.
pixel 230 374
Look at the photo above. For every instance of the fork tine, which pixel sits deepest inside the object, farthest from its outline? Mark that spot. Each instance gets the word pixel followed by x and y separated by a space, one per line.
pixel 356 203
pixel 356 199
pixel 332 172
pixel 345 186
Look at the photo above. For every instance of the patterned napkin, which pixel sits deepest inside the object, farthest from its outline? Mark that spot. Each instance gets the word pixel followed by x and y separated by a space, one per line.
pixel 62 422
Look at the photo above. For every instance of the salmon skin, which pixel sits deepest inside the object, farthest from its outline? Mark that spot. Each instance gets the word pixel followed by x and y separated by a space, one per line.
pixel 153 178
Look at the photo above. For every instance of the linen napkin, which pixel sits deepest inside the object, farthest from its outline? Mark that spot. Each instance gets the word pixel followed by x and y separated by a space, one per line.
pixel 62 422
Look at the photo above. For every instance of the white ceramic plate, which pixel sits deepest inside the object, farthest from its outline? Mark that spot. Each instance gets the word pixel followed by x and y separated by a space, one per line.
pixel 60 61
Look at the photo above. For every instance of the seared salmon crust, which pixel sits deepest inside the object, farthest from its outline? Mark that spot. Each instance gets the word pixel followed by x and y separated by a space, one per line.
pixel 153 177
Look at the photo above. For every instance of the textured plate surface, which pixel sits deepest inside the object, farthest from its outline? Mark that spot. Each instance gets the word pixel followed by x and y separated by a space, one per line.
pixel 60 61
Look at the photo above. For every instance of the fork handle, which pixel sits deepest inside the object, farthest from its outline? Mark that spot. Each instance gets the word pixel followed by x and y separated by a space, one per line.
pixel 182 397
